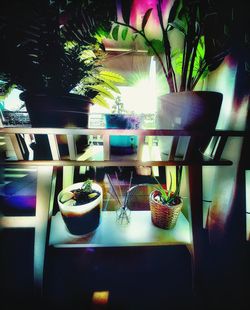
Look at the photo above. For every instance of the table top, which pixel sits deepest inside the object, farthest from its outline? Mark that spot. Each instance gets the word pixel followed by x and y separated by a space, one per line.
pixel 138 232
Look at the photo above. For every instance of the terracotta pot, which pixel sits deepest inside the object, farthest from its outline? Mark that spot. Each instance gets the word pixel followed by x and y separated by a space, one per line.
pixel 81 219
pixel 163 216
pixel 190 110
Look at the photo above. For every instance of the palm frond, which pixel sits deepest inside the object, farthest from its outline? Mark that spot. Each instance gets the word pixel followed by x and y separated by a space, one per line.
pixel 99 100
pixel 110 85
pixel 102 90
pixel 112 76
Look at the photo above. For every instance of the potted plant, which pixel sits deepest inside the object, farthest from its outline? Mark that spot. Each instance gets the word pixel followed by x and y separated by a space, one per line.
pixel 80 205
pixel 53 52
pixel 166 205
pixel 200 28
pixel 121 119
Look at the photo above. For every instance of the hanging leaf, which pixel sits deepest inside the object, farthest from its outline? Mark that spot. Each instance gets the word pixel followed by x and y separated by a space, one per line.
pixel 156 45
pixel 115 32
pixel 100 101
pixel 109 84
pixel 145 18
pixel 126 8
pixel 112 76
pixel 102 90
pixel 124 33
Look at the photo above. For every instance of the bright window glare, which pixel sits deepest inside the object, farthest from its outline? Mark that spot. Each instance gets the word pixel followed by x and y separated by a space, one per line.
pixel 12 101
pixel 139 98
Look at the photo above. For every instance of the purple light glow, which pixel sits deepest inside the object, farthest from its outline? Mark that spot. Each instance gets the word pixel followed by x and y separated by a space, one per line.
pixel 21 202
pixel 138 10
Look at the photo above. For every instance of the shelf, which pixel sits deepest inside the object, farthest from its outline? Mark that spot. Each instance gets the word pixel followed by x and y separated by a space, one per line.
pixel 148 155
pixel 139 232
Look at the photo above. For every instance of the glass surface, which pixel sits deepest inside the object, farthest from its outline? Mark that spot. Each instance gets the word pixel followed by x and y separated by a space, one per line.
pixel 18 191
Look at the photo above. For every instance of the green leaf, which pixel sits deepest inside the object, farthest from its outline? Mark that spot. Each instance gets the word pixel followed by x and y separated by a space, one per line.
pixel 177 60
pixel 100 101
pixel 168 195
pixel 87 54
pixel 102 90
pixel 112 76
pixel 179 16
pixel 201 47
pixel 124 33
pixel 156 45
pixel 161 190
pixel 92 195
pixel 178 24
pixel 145 18
pixel 109 84
pixel 115 32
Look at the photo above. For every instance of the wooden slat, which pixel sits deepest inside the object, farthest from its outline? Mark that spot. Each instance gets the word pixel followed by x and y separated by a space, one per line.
pixel 210 151
pixel 220 147
pixel 144 132
pixel 106 147
pixel 190 148
pixel 173 148
pixel 54 147
pixel 195 193
pixel 141 140
pixel 17 221
pixel 119 163
pixel 16 147
pixel 68 175
pixel 72 147
pixel 43 195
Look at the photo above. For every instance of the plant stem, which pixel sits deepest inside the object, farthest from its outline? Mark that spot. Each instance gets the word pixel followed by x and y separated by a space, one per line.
pixel 198 76
pixel 191 66
pixel 167 48
pixel 185 63
pixel 168 74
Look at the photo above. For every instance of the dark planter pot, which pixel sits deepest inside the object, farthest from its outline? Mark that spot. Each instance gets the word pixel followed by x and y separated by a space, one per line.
pixel 191 110
pixel 123 145
pixel 66 111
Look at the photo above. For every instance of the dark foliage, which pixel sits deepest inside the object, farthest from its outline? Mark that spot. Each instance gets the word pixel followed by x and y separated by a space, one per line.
pixel 33 35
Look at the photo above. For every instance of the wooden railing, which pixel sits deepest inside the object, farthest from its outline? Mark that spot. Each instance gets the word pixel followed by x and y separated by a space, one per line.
pixel 212 157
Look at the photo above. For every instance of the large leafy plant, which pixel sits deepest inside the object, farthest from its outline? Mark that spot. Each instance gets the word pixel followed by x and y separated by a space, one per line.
pixel 43 43
pixel 204 27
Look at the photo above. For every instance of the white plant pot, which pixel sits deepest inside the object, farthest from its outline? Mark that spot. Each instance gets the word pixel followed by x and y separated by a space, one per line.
pixel 81 219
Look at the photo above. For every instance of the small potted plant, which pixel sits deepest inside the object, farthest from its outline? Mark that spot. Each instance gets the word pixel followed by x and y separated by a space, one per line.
pixel 166 205
pixel 80 205
pixel 121 119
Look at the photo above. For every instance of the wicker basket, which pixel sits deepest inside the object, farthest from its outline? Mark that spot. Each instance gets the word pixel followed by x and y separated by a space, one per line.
pixel 163 216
